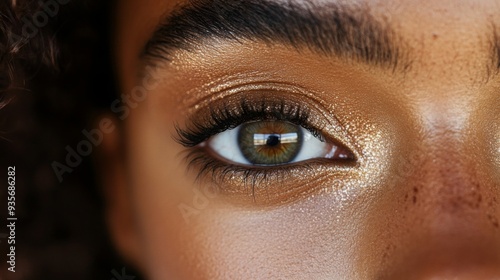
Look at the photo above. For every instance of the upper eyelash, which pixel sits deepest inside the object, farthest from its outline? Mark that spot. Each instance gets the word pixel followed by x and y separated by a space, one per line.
pixel 229 116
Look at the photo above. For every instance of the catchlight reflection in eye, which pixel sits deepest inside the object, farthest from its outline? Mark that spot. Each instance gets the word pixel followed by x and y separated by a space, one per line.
pixel 269 143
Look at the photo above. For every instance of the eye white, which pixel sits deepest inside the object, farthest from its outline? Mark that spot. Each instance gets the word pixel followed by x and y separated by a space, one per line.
pixel 312 147
pixel 225 144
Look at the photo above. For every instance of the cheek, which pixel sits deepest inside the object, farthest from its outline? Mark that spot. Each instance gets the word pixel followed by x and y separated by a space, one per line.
pixel 211 239
pixel 495 151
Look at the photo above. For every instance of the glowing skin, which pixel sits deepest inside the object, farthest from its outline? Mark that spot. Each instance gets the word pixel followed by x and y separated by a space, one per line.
pixel 421 201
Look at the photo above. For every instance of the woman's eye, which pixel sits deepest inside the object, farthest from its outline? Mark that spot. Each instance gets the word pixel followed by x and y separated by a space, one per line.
pixel 269 143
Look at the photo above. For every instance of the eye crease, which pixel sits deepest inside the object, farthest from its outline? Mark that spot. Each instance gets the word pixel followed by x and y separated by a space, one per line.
pixel 269 143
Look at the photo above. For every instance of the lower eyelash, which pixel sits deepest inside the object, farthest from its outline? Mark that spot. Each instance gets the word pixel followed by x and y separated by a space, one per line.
pixel 220 172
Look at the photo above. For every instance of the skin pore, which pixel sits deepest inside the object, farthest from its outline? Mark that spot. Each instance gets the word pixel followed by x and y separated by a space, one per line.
pixel 408 88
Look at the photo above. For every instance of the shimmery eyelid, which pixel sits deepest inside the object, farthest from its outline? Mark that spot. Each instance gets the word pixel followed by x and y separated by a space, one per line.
pixel 228 85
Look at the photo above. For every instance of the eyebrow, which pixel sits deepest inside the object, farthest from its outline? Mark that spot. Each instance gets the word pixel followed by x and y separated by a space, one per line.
pixel 328 29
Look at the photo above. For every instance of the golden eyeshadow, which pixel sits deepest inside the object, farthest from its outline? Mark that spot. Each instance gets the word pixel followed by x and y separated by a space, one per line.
pixel 348 105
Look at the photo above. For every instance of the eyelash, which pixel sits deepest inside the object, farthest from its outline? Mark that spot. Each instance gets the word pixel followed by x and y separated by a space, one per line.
pixel 224 118
pixel 228 115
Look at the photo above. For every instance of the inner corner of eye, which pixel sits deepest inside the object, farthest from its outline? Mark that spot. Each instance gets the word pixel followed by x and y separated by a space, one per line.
pixel 338 151
pixel 203 144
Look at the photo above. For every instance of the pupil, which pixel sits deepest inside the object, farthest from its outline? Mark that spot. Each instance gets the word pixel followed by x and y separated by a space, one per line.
pixel 273 140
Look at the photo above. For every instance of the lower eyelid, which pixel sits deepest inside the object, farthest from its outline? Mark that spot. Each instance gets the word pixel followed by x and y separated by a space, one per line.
pixel 257 185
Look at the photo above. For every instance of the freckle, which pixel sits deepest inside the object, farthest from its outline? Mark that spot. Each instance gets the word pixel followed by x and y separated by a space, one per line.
pixel 493 220
pixel 492 202
pixel 434 36
pixel 415 190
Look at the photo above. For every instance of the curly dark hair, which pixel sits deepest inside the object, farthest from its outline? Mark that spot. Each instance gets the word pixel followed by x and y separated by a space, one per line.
pixel 56 81
pixel 18 52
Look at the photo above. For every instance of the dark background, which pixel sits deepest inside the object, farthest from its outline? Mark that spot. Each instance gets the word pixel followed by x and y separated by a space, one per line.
pixel 67 80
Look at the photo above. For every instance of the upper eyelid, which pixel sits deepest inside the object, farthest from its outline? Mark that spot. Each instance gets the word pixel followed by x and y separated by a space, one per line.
pixel 228 86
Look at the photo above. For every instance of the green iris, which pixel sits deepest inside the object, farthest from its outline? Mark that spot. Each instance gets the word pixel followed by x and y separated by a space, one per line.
pixel 270 142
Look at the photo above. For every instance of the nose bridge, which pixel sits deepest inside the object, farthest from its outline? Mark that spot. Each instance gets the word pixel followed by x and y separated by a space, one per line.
pixel 451 175
pixel 451 187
